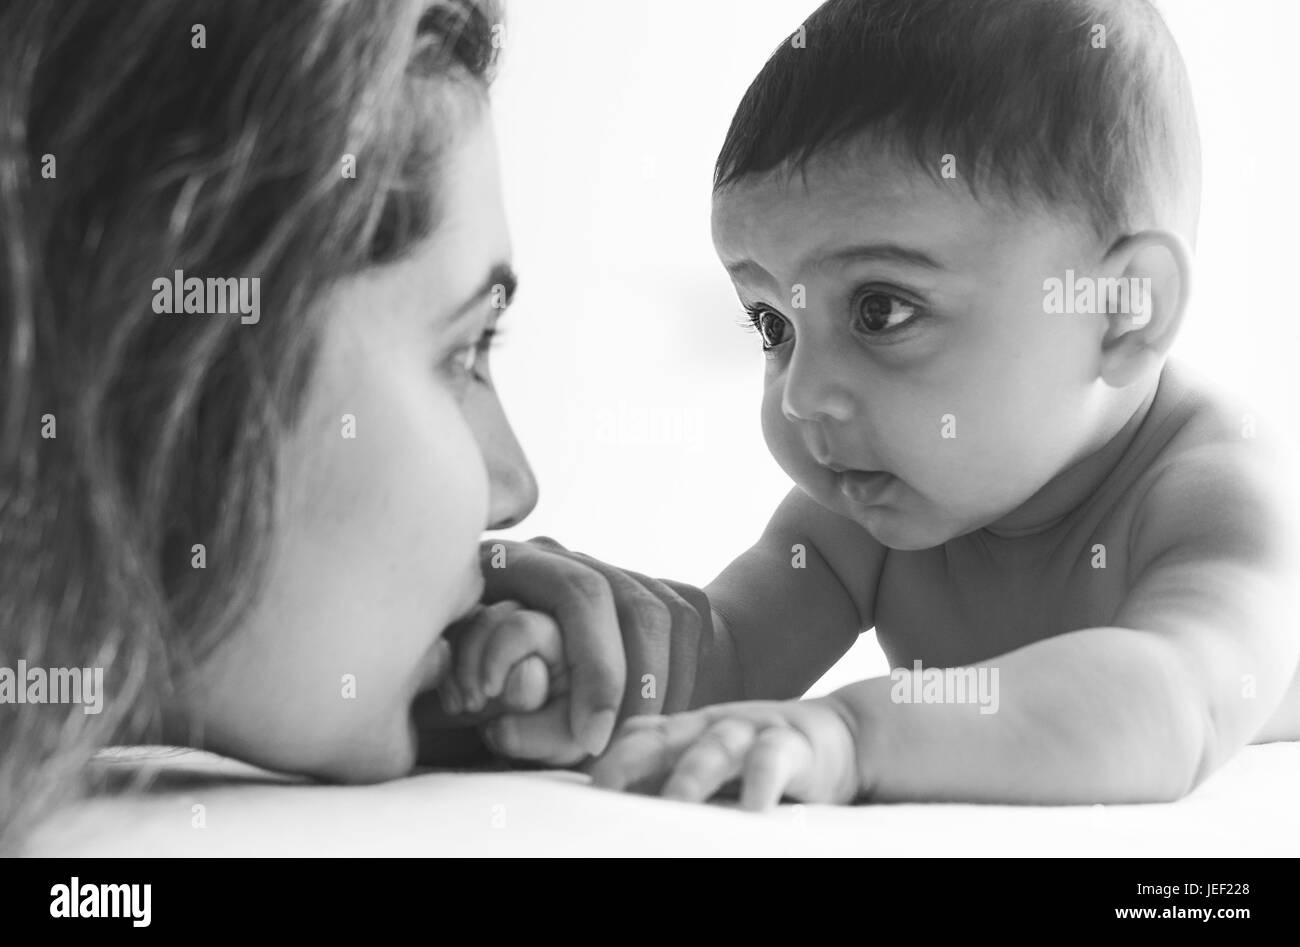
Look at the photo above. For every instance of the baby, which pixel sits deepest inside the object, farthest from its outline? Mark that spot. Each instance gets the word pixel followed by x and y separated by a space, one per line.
pixel 961 231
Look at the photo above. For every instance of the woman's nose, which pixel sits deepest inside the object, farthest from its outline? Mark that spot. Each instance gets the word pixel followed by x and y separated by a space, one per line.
pixel 511 484
pixel 817 385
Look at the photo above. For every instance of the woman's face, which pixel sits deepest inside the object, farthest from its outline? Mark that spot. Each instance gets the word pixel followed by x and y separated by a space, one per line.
pixel 401 458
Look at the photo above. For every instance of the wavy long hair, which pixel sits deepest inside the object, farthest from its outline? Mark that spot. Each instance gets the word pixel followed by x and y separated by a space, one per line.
pixel 137 139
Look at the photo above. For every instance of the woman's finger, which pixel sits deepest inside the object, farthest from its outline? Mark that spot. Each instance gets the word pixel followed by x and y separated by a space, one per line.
pixel 580 599
pixel 662 655
pixel 645 623
pixel 684 656
pixel 681 641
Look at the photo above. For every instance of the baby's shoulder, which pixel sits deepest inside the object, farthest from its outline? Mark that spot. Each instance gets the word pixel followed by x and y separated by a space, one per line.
pixel 1217 476
pixel 1208 434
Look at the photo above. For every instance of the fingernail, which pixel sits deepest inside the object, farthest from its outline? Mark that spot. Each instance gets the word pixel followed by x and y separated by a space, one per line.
pixel 599 729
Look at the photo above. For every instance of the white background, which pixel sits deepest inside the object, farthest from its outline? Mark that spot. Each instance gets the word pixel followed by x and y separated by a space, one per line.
pixel 623 366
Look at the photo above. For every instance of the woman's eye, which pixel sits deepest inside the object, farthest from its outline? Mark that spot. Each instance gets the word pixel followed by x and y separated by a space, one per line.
pixel 771 328
pixel 471 361
pixel 882 312
pixel 466 360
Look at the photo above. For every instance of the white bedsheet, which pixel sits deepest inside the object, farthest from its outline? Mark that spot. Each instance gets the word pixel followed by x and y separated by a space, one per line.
pixel 1250 807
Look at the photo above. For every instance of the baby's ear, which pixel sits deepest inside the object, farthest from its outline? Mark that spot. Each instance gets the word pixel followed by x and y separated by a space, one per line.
pixel 1149 277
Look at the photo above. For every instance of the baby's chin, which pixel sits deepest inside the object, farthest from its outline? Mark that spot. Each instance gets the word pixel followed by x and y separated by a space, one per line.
pixel 896 529
pixel 906 523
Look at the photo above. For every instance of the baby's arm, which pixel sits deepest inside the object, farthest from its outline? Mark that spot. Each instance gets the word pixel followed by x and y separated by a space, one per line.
pixel 1199 657
pixel 787 609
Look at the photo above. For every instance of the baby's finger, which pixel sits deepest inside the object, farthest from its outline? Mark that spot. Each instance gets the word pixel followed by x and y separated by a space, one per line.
pixel 526 687
pixel 642 756
pixel 543 736
pixel 469 648
pixel 713 760
pixel 527 633
pixel 449 696
pixel 778 756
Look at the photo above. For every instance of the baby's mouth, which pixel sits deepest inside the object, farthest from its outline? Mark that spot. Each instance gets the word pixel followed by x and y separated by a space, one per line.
pixel 866 487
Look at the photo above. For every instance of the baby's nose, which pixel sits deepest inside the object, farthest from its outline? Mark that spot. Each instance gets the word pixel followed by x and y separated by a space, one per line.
pixel 815 390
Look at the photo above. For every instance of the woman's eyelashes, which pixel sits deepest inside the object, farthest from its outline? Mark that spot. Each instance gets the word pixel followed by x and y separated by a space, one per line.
pixel 876 314
pixel 470 362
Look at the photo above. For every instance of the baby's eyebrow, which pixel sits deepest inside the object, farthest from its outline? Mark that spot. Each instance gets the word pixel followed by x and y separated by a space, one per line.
pixel 749 271
pixel 886 252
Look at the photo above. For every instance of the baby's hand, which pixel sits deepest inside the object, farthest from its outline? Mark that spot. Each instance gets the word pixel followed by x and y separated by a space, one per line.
pixel 803 749
pixel 509 652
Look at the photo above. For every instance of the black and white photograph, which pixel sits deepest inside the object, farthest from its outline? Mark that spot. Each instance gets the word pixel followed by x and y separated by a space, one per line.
pixel 650 429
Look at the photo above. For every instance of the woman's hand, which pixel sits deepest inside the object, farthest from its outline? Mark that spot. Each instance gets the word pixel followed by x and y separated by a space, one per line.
pixel 801 749
pixel 630 644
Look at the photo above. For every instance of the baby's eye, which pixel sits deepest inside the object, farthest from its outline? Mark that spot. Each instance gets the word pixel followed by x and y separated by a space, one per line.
pixel 771 327
pixel 879 313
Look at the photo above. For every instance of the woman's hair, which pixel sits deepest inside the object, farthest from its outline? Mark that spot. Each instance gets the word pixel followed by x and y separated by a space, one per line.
pixel 296 143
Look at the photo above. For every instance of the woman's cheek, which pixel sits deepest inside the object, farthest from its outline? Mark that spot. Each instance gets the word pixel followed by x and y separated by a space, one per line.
pixel 384 500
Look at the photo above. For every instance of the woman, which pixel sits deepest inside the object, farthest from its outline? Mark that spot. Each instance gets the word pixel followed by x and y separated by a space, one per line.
pixel 259 528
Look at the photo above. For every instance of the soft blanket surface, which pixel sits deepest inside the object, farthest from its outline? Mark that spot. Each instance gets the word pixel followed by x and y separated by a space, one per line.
pixel 203 805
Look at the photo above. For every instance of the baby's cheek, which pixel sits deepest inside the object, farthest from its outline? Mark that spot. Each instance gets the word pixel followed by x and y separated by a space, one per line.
pixel 782 437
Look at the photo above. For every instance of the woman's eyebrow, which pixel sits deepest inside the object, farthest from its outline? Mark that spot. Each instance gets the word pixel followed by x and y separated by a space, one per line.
pixel 500 286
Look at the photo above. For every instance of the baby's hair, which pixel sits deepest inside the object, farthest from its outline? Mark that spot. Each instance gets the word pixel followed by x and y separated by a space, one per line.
pixel 218 152
pixel 1021 93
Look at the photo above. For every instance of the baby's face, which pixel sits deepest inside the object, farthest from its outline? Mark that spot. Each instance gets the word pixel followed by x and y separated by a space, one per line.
pixel 921 390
